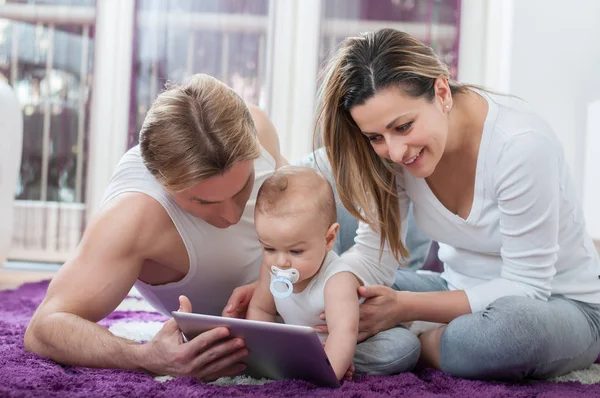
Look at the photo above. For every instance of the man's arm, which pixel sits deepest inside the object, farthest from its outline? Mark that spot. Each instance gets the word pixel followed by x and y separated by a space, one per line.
pixel 262 306
pixel 86 289
pixel 267 135
pixel 342 314
pixel 91 285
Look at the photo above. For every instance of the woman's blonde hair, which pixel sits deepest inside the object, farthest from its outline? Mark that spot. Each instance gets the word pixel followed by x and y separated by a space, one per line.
pixel 360 68
pixel 195 131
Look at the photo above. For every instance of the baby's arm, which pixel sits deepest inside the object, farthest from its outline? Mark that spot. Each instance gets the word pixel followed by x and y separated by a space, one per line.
pixel 341 312
pixel 262 305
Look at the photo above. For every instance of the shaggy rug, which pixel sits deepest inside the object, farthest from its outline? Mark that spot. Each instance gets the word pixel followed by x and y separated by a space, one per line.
pixel 23 374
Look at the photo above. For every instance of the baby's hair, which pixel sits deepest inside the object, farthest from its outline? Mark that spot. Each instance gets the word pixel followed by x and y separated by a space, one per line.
pixel 296 189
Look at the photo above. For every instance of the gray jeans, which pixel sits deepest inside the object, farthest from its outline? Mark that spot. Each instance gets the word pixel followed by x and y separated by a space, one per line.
pixel 514 337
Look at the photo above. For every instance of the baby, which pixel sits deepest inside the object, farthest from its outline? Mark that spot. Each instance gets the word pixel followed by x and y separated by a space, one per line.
pixel 295 220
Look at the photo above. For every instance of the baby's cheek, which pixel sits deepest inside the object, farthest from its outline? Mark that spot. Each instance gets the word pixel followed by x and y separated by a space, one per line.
pixel 310 265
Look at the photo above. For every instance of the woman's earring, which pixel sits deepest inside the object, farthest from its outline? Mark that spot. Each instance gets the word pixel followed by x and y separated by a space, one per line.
pixel 447 106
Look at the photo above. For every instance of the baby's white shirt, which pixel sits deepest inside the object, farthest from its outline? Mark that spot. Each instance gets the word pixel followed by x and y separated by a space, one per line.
pixel 305 307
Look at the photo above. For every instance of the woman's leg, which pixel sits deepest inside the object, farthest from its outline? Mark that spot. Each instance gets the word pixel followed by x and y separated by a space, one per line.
pixel 518 337
pixel 410 281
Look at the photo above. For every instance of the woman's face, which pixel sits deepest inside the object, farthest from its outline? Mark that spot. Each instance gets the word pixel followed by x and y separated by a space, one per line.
pixel 410 132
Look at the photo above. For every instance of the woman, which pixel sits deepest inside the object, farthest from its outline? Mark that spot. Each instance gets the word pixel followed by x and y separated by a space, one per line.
pixel 520 292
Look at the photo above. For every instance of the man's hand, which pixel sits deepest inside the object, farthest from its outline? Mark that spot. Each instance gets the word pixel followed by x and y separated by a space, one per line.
pixel 237 305
pixel 207 356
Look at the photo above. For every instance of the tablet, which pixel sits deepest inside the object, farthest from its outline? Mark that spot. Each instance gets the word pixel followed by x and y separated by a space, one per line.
pixel 277 351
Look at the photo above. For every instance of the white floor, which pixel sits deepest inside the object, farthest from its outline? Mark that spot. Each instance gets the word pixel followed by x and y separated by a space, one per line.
pixel 31 266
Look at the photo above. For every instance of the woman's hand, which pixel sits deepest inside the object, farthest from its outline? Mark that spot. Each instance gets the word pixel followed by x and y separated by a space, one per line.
pixel 380 311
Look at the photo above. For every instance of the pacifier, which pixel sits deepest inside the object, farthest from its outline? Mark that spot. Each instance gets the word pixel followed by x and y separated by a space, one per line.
pixel 283 281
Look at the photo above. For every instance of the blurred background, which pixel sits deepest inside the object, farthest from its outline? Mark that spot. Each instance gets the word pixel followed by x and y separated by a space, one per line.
pixel 86 71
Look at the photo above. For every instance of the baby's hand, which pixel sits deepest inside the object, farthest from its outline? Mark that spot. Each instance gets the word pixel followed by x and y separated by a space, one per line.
pixel 349 372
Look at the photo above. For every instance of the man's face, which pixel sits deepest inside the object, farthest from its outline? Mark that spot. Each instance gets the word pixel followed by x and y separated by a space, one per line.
pixel 220 200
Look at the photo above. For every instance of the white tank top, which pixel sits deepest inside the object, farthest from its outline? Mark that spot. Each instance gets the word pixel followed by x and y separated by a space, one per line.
pixel 220 259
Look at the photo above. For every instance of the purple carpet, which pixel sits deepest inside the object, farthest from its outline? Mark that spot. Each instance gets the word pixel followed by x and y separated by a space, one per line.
pixel 23 374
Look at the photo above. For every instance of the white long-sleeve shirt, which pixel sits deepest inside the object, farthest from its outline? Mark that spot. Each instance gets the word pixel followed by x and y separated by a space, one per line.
pixel 525 234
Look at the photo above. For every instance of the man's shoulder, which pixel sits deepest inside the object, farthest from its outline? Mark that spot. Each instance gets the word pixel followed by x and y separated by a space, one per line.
pixel 140 226
pixel 267 134
pixel 135 212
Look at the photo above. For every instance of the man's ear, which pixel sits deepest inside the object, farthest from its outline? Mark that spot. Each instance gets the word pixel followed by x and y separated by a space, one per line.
pixel 331 234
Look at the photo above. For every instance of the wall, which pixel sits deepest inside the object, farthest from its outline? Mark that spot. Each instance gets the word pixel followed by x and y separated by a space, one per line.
pixel 591 173
pixel 546 52
pixel 555 66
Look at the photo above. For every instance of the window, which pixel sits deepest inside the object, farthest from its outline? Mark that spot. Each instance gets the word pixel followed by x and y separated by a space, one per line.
pixel 269 52
pixel 307 31
pixel 177 38
pixel 47 58
pixel 434 22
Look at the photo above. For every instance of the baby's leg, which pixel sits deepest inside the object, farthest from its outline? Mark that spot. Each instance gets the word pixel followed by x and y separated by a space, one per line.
pixel 389 352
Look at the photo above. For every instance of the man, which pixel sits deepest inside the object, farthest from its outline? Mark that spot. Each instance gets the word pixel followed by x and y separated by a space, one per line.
pixel 176 220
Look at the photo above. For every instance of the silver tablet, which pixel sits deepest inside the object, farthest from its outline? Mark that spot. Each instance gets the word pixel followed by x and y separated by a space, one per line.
pixel 277 351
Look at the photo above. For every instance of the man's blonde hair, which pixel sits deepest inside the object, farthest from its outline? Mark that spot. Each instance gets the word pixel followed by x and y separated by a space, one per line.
pixel 294 190
pixel 195 131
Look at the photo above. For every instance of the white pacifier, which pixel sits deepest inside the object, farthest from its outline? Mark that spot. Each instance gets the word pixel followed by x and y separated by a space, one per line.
pixel 283 281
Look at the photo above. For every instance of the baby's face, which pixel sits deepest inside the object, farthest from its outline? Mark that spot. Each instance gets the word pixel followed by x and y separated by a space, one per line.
pixel 298 241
